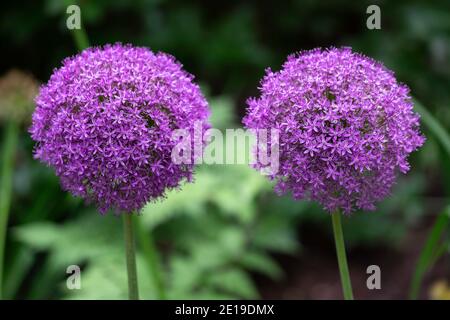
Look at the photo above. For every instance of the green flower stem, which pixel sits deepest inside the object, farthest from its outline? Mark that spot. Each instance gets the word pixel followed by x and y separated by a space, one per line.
pixel 133 291
pixel 341 255
pixel 7 154
pixel 80 38
pixel 152 259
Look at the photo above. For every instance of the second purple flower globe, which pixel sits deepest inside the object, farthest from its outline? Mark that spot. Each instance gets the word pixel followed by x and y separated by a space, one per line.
pixel 346 127
pixel 105 119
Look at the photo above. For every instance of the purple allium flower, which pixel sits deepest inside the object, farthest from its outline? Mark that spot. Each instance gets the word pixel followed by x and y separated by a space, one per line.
pixel 346 127
pixel 105 119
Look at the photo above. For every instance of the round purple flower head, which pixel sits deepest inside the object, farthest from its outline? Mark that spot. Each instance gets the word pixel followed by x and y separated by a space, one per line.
pixel 346 127
pixel 105 119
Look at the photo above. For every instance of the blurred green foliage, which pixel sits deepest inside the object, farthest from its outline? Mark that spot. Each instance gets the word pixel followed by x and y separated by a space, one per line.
pixel 217 232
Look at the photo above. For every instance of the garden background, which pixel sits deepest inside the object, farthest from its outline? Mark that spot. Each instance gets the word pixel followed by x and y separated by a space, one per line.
pixel 227 235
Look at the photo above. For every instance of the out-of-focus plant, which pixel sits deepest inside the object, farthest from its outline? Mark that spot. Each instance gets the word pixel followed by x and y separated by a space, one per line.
pixel 131 117
pixel 201 234
pixel 387 226
pixel 414 42
pixel 434 126
pixel 440 290
pixel 433 248
pixel 208 244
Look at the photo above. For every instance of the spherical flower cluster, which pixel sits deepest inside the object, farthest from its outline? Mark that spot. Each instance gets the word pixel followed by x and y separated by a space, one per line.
pixel 17 92
pixel 346 127
pixel 105 120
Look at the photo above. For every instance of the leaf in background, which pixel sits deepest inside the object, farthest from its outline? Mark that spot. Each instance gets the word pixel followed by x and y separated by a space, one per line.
pixel 105 278
pixel 222 113
pixel 233 281
pixel 190 200
pixel 86 238
pixel 213 185
pixel 435 127
pixel 17 271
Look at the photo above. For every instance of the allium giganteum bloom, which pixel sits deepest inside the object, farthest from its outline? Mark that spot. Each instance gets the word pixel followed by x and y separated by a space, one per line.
pixel 346 127
pixel 104 122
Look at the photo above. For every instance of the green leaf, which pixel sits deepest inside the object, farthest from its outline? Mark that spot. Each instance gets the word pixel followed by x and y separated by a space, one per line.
pixel 105 278
pixel 20 265
pixel 275 233
pixel 435 127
